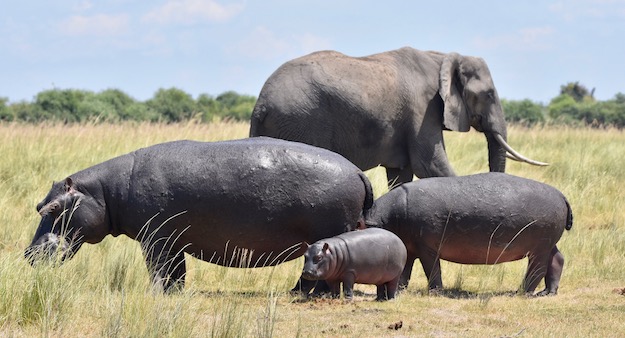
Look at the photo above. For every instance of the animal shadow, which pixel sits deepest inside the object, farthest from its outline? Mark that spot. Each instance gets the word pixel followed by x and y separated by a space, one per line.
pixel 463 294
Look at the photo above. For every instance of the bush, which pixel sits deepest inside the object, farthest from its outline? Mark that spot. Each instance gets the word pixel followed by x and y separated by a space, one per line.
pixel 173 105
pixel 565 109
pixel 5 113
pixel 233 105
pixel 61 104
pixel 523 112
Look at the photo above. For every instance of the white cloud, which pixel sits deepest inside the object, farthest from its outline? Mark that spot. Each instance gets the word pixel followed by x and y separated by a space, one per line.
pixel 264 43
pixel 83 6
pixel 580 9
pixel 531 38
pixel 192 12
pixel 98 25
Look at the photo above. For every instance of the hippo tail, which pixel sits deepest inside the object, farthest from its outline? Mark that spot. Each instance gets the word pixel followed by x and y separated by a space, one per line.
pixel 569 215
pixel 368 193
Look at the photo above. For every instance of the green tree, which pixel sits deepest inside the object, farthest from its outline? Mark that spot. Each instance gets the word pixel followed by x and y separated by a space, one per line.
pixel 236 106
pixel 208 106
pixel 61 104
pixel 173 105
pixel 92 107
pixel 577 91
pixel 524 111
pixel 5 112
pixel 563 108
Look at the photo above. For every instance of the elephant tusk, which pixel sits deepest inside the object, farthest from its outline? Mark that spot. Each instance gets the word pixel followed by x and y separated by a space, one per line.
pixel 512 157
pixel 516 154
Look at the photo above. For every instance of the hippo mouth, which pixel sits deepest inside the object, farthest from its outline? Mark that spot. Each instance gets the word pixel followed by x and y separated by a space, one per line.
pixel 51 248
pixel 309 275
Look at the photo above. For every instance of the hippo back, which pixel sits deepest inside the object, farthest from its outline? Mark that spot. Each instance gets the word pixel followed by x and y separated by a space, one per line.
pixel 259 194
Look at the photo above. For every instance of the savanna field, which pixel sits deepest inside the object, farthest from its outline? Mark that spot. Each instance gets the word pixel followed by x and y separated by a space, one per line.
pixel 104 291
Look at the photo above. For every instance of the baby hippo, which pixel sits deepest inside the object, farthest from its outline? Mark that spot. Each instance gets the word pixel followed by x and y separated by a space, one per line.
pixel 369 256
pixel 479 219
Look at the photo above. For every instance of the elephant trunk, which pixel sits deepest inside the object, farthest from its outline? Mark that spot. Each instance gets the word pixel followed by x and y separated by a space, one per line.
pixel 496 152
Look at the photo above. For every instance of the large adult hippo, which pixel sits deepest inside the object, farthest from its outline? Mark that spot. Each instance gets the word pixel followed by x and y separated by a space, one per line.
pixel 478 219
pixel 235 203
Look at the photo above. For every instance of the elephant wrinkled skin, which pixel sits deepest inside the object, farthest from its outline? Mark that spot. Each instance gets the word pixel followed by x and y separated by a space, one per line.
pixel 386 109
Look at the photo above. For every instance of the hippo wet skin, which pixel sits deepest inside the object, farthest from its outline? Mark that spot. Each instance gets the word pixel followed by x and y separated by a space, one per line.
pixel 368 256
pixel 478 219
pixel 242 203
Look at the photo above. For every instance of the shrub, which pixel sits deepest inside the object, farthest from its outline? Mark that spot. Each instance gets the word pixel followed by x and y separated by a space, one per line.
pixel 523 112
pixel 173 105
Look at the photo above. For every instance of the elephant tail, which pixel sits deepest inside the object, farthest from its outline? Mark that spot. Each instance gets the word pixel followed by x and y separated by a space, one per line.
pixel 569 216
pixel 258 116
pixel 368 192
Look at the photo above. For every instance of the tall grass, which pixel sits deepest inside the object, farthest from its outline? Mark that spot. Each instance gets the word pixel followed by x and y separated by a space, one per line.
pixel 105 289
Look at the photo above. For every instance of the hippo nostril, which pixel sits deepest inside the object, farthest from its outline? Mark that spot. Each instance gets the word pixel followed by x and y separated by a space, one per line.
pixel 48 248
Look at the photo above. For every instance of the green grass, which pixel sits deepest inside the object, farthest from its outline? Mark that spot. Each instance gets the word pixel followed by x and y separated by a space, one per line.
pixel 105 289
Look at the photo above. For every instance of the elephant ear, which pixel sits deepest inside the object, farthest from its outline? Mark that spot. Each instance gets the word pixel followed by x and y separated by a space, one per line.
pixel 455 113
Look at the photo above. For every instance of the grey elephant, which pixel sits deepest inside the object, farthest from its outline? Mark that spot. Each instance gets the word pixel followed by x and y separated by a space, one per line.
pixel 386 109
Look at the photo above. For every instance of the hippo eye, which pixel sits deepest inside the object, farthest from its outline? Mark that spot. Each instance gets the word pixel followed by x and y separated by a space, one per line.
pixel 317 259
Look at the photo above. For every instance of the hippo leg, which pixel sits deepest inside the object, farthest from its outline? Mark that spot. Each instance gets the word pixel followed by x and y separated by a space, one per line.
pixel 335 288
pixel 304 286
pixel 554 272
pixel 348 286
pixel 167 271
pixel 387 290
pixel 405 275
pixel 432 268
pixel 536 270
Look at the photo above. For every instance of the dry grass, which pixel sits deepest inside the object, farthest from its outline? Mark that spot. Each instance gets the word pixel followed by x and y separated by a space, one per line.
pixel 103 291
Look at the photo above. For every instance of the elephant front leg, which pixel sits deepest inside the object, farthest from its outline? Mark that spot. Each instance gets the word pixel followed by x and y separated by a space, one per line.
pixel 167 271
pixel 396 177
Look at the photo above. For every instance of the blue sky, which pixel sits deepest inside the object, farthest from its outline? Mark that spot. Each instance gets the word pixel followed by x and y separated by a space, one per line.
pixel 211 46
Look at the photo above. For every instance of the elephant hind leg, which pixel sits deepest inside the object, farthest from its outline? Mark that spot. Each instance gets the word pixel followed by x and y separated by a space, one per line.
pixel 396 177
pixel 554 272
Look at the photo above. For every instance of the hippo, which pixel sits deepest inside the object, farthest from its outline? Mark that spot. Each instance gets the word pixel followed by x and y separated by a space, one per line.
pixel 486 218
pixel 239 203
pixel 367 256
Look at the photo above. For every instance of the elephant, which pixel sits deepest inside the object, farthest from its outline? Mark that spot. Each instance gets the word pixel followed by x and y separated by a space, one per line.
pixel 387 109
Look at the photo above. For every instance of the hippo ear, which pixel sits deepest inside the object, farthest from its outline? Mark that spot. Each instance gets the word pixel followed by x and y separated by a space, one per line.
pixel 326 248
pixel 69 184
pixel 305 245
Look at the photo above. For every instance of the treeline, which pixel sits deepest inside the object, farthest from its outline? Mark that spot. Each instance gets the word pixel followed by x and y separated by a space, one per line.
pixel 113 105
pixel 575 105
